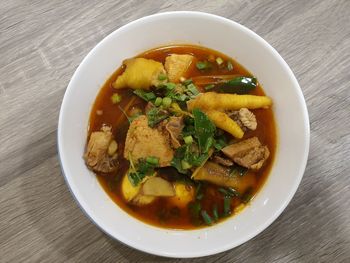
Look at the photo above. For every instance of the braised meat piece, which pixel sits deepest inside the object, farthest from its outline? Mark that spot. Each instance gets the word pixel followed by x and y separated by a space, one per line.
pixel 248 153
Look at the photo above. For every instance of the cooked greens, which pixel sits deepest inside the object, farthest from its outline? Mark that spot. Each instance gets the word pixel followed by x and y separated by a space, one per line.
pixel 144 167
pixel 156 115
pixel 204 130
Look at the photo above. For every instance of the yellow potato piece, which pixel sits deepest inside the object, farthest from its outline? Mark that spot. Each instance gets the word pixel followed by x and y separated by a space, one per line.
pixel 224 122
pixel 140 73
pixel 224 101
pixel 183 195
pixel 157 186
pixel 132 193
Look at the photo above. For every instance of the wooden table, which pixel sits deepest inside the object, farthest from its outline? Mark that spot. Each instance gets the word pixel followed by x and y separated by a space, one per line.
pixel 42 43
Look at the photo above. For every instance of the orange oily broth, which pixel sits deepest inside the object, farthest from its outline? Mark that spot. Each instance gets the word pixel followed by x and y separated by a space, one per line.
pixel 162 212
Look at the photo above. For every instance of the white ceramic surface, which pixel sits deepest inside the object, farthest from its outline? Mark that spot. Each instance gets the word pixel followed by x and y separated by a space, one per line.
pixel 217 33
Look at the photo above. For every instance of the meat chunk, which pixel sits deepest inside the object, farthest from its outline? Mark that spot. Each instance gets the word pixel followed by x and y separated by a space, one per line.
pixel 143 141
pixel 248 153
pixel 177 65
pixel 248 118
pixel 101 152
pixel 221 160
pixel 174 127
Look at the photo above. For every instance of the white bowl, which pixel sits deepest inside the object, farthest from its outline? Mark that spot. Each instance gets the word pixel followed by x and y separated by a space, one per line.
pixel 217 33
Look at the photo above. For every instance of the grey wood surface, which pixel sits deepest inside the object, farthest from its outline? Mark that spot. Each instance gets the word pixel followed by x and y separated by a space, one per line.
pixel 42 43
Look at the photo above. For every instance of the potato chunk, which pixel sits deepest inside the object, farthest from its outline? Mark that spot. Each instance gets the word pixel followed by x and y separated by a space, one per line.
pixel 140 73
pixel 177 65
pixel 132 194
pixel 157 186
pixel 101 151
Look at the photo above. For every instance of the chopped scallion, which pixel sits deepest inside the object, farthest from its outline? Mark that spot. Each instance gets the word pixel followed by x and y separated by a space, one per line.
pixel 170 86
pixel 215 213
pixel 207 219
pixel 227 206
pixel 152 160
pixel 185 165
pixel 188 139
pixel 166 102
pixel 116 98
pixel 219 61
pixel 202 65
pixel 147 96
pixel 187 82
pixel 193 89
pixel 158 101
pixel 209 87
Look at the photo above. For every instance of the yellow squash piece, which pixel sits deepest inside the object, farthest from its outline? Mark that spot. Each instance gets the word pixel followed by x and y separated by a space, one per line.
pixel 140 73
pixel 223 101
pixel 224 122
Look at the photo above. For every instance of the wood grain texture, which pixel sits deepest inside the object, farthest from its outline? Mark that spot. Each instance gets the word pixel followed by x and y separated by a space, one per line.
pixel 42 43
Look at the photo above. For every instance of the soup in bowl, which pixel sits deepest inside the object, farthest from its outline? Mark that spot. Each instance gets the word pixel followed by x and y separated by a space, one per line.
pixel 183 134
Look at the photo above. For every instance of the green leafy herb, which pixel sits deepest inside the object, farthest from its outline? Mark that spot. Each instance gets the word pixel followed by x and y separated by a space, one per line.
pixel 177 95
pixel 185 158
pixel 197 160
pixel 238 85
pixel 207 219
pixel 147 96
pixel 178 157
pixel 203 65
pixel 155 116
pixel 220 143
pixel 144 167
pixel 204 130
